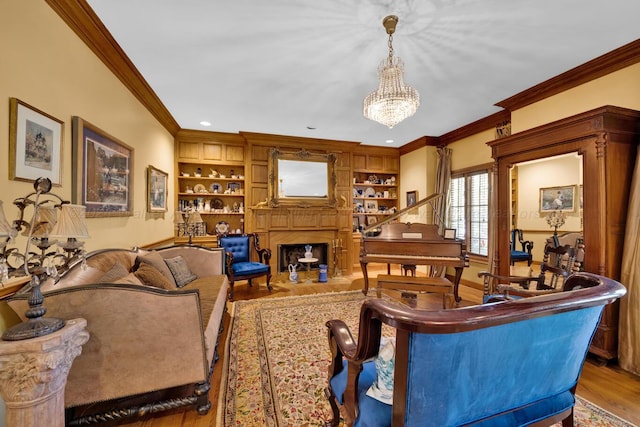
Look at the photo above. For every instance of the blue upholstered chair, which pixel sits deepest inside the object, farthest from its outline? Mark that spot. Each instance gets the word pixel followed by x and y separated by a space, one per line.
pixel 505 364
pixel 240 261
pixel 524 252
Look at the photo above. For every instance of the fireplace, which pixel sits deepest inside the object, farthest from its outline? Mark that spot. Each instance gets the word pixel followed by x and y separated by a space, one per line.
pixel 289 254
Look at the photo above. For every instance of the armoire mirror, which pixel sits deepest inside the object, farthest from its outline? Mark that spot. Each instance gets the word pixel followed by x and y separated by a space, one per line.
pixel 533 183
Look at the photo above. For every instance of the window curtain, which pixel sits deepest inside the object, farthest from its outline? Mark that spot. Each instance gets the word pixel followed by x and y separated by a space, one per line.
pixel 628 330
pixel 443 180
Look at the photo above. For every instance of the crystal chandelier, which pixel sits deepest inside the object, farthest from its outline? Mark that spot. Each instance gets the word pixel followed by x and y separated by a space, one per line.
pixel 393 101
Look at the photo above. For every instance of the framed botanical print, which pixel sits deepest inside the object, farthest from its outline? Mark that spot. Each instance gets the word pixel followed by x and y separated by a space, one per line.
pixel 103 171
pixel 157 189
pixel 35 144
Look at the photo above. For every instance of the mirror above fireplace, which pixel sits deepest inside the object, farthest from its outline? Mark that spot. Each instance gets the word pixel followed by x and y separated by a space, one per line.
pixel 301 179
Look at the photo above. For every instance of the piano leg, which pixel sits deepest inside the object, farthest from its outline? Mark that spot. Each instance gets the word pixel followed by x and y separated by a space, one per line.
pixel 456 283
pixel 363 266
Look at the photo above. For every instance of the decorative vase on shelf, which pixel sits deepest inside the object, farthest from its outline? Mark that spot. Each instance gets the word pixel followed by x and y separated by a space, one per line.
pixel 308 253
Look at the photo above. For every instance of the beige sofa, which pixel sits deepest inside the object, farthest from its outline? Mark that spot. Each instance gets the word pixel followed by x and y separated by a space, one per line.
pixel 152 344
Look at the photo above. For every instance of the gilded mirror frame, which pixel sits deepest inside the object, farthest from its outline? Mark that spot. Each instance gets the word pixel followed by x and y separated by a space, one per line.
pixel 274 198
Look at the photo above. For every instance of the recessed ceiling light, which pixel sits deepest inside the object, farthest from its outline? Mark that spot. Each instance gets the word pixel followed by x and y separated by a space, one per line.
pixel 389 141
pixel 205 123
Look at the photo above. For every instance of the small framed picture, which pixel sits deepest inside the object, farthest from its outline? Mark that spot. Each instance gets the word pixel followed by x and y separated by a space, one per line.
pixel 356 223
pixel 371 220
pixel 450 233
pixel 561 199
pixel 412 197
pixel 35 144
pixel 157 190
pixel 371 206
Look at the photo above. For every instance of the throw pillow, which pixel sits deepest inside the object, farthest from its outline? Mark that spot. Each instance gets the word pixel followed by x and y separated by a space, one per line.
pixel 129 279
pixel 180 270
pixel 382 387
pixel 149 276
pixel 117 271
pixel 155 260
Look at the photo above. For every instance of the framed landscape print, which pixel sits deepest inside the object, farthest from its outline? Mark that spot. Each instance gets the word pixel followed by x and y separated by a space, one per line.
pixel 561 199
pixel 103 171
pixel 157 189
pixel 35 144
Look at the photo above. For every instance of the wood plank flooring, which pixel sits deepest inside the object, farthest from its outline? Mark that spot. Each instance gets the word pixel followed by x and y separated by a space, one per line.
pixel 607 386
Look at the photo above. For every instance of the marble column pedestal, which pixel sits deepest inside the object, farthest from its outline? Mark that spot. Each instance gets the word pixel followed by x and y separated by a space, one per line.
pixel 33 374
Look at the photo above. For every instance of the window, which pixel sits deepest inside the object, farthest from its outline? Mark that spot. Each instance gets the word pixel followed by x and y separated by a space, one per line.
pixel 469 209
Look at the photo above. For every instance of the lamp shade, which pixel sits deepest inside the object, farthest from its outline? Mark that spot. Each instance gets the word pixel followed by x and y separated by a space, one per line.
pixel 194 217
pixel 43 222
pixel 178 219
pixel 71 223
pixel 5 227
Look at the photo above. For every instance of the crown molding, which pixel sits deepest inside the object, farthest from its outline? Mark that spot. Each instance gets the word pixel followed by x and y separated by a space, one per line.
pixel 79 16
pixel 615 60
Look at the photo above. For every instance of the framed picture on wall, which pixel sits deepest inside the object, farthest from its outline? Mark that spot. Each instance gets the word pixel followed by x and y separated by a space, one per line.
pixel 35 144
pixel 102 170
pixel 157 189
pixel 561 199
pixel 412 197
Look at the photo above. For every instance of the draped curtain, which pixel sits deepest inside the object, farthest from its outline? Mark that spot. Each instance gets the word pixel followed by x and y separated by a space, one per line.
pixel 443 180
pixel 440 206
pixel 628 328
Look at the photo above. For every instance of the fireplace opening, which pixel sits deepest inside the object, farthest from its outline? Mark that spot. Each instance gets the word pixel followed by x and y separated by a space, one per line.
pixel 289 254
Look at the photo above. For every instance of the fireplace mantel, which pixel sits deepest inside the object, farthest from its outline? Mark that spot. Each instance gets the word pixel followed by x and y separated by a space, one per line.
pixel 295 225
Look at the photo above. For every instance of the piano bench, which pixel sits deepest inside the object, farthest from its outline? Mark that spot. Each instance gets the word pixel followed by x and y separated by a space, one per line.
pixel 418 284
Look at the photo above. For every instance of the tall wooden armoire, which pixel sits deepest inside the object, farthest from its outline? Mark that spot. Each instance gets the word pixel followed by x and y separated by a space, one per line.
pixel 607 139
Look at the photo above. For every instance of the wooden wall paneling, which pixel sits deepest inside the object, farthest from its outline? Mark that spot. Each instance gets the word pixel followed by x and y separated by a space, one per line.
pixel 391 164
pixel 359 161
pixel 234 153
pixel 188 151
pixel 212 151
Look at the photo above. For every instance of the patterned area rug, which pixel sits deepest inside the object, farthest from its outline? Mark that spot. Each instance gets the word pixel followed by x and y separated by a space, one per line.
pixel 275 369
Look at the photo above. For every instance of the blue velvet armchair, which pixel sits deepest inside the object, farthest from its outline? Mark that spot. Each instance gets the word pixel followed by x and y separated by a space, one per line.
pixel 471 365
pixel 522 253
pixel 240 264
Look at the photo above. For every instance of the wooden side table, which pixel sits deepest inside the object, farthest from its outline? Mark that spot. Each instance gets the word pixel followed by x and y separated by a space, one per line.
pixel 33 374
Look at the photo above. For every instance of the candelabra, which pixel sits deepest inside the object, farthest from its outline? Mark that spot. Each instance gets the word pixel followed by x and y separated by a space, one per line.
pixel 556 220
pixel 336 244
pixel 53 218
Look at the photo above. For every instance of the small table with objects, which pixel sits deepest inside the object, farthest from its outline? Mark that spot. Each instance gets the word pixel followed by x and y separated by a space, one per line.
pixel 308 261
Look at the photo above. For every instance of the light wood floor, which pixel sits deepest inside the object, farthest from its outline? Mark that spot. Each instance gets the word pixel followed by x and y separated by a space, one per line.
pixel 605 385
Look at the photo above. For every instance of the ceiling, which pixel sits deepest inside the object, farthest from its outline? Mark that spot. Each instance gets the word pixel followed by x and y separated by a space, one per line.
pixel 303 67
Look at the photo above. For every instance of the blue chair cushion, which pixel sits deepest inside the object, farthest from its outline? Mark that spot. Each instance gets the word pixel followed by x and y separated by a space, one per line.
pixel 373 413
pixel 519 255
pixel 238 246
pixel 245 268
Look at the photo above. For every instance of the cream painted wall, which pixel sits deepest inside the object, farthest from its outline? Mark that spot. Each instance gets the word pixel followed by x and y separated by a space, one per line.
pixel 621 89
pixel 417 172
pixel 44 64
pixel 471 151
